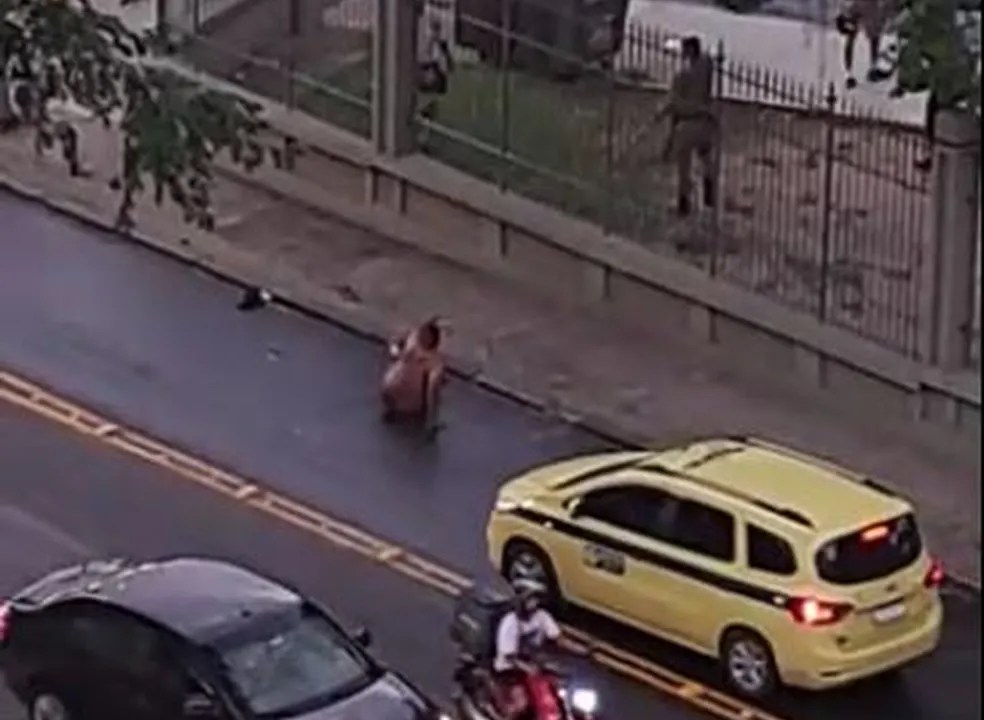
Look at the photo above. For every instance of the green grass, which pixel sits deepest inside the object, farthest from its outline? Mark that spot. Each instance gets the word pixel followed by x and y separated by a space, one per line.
pixel 540 138
pixel 548 140
pixel 341 96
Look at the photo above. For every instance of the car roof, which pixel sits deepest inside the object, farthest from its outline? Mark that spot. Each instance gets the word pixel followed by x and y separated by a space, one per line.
pixel 808 490
pixel 194 597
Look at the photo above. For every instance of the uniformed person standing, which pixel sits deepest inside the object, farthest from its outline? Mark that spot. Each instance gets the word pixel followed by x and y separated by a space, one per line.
pixel 693 124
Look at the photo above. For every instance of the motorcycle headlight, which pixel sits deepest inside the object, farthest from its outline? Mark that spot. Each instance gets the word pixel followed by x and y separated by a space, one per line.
pixel 584 700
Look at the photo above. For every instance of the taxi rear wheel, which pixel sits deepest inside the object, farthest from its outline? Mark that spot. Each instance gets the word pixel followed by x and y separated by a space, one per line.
pixel 523 560
pixel 748 663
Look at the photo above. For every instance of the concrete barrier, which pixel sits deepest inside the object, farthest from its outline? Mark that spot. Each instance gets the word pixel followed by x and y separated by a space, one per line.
pixel 439 210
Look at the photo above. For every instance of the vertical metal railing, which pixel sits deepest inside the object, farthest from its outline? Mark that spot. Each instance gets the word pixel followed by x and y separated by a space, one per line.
pixel 974 339
pixel 826 202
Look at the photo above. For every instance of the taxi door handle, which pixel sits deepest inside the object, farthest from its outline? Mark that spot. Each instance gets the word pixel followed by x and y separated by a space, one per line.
pixel 598 557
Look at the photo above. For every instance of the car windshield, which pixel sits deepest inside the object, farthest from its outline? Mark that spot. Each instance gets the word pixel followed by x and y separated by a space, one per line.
pixel 294 663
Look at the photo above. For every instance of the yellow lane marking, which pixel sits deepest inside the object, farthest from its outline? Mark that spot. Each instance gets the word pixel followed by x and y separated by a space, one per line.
pixel 37 400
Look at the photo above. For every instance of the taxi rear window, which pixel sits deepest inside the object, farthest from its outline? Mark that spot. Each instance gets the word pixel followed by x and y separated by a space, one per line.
pixel 870 553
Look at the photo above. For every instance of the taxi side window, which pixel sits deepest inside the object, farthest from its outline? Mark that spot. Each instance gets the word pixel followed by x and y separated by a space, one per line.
pixel 704 530
pixel 769 553
pixel 635 509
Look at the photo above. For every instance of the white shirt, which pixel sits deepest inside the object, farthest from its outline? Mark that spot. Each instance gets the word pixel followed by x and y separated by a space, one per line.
pixel 514 634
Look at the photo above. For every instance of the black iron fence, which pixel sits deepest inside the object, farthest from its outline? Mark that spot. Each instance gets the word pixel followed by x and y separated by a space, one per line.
pixel 822 203
pixel 311 54
pixel 974 339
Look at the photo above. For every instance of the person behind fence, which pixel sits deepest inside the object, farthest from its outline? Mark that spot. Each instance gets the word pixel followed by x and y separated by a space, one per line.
pixel 870 17
pixel 694 127
pixel 434 66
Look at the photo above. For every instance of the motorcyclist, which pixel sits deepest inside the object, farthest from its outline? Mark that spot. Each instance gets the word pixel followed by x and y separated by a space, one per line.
pixel 522 634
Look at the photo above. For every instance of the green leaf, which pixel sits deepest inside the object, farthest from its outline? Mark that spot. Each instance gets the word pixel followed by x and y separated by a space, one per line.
pixel 938 50
pixel 173 129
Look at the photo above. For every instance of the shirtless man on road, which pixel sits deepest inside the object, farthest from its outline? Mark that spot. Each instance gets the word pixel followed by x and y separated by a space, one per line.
pixel 412 383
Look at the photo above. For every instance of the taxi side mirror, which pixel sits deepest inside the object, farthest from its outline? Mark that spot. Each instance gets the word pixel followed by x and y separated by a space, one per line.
pixel 362 637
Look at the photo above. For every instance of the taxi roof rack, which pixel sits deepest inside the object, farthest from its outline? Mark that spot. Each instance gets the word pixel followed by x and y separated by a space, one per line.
pixel 831 467
pixel 790 514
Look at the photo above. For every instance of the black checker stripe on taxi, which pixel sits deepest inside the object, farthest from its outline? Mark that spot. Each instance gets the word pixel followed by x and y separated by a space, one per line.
pixel 640 554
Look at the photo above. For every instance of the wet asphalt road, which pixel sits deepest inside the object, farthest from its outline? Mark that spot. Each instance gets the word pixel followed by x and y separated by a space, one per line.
pixel 64 497
pixel 290 401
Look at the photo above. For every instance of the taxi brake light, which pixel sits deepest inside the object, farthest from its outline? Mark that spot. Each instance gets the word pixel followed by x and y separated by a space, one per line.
pixel 935 575
pixel 874 533
pixel 816 613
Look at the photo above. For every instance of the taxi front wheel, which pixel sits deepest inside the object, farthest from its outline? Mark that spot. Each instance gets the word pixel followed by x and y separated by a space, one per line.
pixel 525 561
pixel 748 663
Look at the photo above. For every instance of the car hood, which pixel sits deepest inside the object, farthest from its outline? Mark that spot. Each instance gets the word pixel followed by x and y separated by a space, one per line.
pixel 389 698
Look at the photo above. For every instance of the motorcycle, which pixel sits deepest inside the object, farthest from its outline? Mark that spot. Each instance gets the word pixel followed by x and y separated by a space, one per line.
pixel 550 693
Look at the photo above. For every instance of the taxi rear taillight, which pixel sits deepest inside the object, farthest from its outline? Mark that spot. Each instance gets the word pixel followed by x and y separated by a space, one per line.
pixel 935 575
pixel 814 612
pixel 4 621
pixel 875 533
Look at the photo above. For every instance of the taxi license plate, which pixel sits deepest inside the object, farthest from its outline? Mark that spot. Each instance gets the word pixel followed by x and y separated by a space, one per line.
pixel 889 613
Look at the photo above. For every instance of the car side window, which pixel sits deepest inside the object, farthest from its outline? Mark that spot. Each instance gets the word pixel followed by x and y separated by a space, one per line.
pixel 641 510
pixel 769 553
pixel 133 647
pixel 704 530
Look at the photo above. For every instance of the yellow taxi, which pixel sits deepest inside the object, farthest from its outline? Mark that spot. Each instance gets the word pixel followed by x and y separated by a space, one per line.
pixel 785 568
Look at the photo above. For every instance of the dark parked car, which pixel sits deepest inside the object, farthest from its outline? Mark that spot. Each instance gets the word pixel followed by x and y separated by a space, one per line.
pixel 189 638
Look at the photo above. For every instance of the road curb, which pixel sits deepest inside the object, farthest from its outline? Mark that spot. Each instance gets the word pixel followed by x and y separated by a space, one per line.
pixel 363 325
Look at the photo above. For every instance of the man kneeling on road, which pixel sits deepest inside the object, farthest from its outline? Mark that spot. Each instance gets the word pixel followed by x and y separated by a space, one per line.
pixel 412 383
pixel 524 631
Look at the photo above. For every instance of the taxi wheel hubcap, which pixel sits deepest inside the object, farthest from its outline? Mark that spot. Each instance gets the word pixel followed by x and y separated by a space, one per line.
pixel 748 665
pixel 527 566
pixel 48 707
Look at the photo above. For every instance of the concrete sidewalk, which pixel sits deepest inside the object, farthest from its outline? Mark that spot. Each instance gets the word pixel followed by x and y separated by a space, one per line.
pixel 655 388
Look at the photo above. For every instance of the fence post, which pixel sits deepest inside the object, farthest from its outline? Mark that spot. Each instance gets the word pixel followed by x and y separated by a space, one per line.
pixel 294 32
pixel 505 64
pixel 717 99
pixel 161 18
pixel 827 201
pixel 608 220
pixel 953 238
pixel 394 74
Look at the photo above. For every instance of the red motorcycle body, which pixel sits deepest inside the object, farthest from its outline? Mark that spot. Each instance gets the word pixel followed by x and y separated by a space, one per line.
pixel 541 689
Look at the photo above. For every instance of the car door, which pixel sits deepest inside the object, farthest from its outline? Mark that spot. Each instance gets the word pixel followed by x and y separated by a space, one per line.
pixel 131 680
pixel 57 660
pixel 617 573
pixel 697 550
pixel 180 672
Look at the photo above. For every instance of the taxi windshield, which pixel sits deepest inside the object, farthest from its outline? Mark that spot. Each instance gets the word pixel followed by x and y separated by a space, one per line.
pixel 294 663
